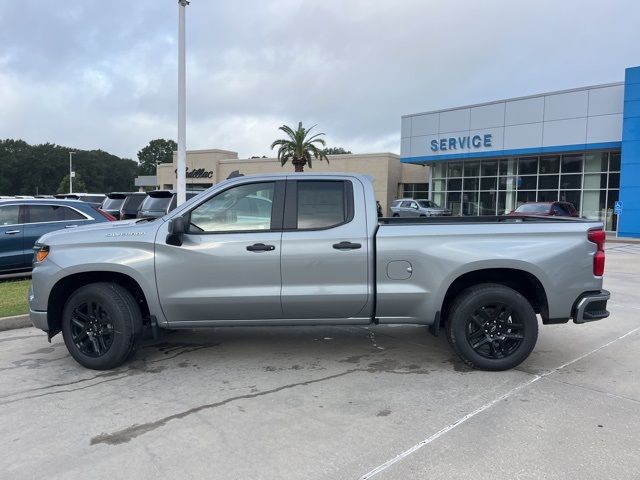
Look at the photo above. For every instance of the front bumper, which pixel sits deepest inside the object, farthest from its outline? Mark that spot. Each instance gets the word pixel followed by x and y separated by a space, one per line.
pixel 591 306
pixel 39 319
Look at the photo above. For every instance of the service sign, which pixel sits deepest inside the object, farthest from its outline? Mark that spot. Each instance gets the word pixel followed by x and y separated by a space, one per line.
pixel 461 143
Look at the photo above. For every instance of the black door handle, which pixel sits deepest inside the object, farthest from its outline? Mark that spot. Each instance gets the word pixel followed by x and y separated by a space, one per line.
pixel 346 246
pixel 261 247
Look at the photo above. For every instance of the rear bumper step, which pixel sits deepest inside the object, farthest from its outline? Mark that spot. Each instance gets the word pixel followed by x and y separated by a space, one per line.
pixel 591 306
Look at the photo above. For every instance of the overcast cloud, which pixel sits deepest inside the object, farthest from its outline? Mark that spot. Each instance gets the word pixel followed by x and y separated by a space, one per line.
pixel 103 74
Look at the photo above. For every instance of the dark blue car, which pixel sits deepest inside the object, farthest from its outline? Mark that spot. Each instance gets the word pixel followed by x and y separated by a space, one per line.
pixel 23 221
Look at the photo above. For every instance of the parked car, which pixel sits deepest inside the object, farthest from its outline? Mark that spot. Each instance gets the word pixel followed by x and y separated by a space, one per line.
pixel 560 209
pixel 160 202
pixel 23 221
pixel 318 256
pixel 131 206
pixel 94 198
pixel 409 207
pixel 113 202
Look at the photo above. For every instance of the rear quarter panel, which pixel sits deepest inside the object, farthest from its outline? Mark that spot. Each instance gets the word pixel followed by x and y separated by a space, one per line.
pixel 558 254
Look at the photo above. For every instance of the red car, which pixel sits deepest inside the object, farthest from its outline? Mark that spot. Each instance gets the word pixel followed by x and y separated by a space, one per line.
pixel 560 209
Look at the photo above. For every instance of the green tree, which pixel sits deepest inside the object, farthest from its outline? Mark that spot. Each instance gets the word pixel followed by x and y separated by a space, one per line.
pixel 158 151
pixel 78 184
pixel 336 151
pixel 30 169
pixel 299 148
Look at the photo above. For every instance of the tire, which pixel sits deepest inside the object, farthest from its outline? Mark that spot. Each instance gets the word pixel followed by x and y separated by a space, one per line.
pixel 396 215
pixel 509 322
pixel 100 325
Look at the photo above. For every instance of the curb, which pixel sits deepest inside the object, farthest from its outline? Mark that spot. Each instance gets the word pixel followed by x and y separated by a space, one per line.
pixel 11 323
pixel 623 240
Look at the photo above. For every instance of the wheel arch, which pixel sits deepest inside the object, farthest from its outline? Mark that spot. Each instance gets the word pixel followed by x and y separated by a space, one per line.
pixel 522 281
pixel 64 288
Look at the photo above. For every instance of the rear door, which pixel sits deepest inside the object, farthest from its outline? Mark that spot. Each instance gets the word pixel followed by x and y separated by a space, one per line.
pixel 325 251
pixel 12 238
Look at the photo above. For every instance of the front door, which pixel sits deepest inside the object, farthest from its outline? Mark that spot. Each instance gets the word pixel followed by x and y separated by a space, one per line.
pixel 11 238
pixel 228 265
pixel 325 250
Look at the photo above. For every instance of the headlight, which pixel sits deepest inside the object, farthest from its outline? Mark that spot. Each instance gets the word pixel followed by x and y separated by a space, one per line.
pixel 40 253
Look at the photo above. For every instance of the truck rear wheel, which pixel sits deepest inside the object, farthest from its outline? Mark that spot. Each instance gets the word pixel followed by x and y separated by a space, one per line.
pixel 100 324
pixel 492 327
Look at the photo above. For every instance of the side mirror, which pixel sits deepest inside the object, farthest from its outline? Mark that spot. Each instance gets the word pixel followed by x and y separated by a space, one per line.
pixel 177 228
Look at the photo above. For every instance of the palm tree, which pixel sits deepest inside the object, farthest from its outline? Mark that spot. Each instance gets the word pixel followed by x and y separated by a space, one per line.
pixel 299 147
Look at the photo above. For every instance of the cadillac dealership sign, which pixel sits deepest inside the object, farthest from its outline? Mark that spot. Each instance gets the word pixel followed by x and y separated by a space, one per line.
pixel 197 173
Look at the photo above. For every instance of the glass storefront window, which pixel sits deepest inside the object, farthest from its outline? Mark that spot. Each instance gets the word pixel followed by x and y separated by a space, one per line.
pixel 488 203
pixel 614 162
pixel 488 183
pixel 489 168
pixel 525 196
pixel 439 170
pixel 454 184
pixel 453 202
pixel 548 182
pixel 507 167
pixel 471 169
pixel 548 195
pixel 470 203
pixel 592 180
pixel 614 180
pixel 571 196
pixel 589 180
pixel 550 164
pixel 528 166
pixel 572 163
pixel 527 183
pixel 415 190
pixel 570 181
pixel 470 184
pixel 596 162
pixel 454 169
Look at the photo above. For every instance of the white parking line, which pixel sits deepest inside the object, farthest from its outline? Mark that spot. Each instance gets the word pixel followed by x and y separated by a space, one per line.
pixel 460 421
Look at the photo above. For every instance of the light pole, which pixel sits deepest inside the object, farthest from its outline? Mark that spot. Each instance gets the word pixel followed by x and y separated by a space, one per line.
pixel 182 129
pixel 71 154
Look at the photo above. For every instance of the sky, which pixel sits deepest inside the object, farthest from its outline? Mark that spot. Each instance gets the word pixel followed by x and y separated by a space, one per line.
pixel 96 74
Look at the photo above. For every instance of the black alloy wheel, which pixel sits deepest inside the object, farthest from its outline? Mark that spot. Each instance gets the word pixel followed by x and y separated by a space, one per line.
pixel 492 327
pixel 91 329
pixel 494 332
pixel 101 323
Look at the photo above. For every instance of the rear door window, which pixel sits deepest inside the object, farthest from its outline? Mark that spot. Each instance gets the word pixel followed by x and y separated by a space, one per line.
pixel 406 205
pixel 52 213
pixel 322 204
pixel 9 214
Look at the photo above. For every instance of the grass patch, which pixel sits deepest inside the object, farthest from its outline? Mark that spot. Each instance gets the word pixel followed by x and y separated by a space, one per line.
pixel 13 297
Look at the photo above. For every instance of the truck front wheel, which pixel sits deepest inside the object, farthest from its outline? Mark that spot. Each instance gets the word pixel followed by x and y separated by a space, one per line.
pixel 100 324
pixel 492 327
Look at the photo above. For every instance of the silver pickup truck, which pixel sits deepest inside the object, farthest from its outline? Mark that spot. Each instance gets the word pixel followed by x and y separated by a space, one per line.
pixel 306 249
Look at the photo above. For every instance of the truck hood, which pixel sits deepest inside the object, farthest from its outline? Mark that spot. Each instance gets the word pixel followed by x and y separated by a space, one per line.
pixel 103 232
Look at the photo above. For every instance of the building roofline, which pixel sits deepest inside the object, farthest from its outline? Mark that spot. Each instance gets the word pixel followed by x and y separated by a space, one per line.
pixel 210 150
pixel 345 155
pixel 526 97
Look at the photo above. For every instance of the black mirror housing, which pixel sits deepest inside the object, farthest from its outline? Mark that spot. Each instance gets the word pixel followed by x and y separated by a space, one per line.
pixel 177 226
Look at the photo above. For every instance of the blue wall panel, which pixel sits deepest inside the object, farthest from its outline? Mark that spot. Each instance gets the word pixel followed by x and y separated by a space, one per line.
pixel 629 221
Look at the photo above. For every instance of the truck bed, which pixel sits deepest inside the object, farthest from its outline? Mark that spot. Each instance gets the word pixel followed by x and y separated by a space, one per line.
pixel 448 220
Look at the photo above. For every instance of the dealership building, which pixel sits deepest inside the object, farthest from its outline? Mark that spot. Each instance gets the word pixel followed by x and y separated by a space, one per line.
pixel 391 178
pixel 580 145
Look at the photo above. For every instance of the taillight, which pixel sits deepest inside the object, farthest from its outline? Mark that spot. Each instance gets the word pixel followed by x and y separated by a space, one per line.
pixel 598 237
pixel 106 215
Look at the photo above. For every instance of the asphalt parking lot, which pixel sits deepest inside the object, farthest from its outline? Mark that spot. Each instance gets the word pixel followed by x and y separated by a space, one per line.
pixel 339 402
